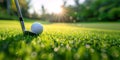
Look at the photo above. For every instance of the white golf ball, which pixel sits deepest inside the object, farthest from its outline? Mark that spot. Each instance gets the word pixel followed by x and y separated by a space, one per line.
pixel 37 28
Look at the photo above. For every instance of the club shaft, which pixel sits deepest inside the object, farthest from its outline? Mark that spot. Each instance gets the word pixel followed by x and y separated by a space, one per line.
pixel 20 16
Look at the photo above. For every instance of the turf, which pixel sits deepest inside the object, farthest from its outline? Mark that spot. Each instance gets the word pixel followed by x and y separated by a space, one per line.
pixel 61 41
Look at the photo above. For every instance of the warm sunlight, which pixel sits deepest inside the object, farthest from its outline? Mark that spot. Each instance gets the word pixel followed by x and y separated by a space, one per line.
pixel 52 6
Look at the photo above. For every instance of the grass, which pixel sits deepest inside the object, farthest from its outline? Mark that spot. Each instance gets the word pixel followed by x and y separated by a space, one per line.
pixel 61 41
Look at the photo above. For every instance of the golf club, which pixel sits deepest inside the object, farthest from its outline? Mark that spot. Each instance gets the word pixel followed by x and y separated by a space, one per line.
pixel 21 20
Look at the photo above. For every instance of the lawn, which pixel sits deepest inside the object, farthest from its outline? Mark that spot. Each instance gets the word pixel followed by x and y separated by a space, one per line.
pixel 60 41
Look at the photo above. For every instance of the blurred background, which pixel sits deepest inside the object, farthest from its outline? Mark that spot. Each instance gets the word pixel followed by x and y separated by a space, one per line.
pixel 63 10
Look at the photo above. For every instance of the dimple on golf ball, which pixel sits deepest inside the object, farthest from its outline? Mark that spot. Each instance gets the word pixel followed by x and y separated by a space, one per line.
pixel 37 28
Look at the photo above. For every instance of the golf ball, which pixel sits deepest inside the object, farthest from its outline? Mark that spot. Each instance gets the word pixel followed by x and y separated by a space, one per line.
pixel 37 28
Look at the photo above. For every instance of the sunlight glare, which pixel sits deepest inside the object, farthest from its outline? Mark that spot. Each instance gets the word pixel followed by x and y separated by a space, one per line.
pixel 52 6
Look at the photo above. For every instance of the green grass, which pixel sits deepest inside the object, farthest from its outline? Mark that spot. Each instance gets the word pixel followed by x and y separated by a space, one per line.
pixel 61 41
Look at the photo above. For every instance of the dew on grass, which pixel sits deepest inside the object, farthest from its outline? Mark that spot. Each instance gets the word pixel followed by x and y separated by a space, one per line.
pixel 42 45
pixel 76 56
pixel 59 41
pixel 51 56
pixel 56 49
pixel 33 54
pixel 104 56
pixel 87 46
pixel 92 50
pixel 68 47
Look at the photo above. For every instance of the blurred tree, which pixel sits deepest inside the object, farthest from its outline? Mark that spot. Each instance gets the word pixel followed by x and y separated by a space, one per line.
pixel 24 5
pixel 90 10
pixel 13 8
pixel 63 15
pixel 43 9
pixel 77 2
pixel 43 15
pixel 103 7
pixel 34 15
pixel 114 14
pixel 64 2
pixel 8 6
pixel 97 10
pixel 3 4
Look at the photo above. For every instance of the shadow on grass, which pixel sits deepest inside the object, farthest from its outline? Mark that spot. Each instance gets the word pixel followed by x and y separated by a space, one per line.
pixel 14 42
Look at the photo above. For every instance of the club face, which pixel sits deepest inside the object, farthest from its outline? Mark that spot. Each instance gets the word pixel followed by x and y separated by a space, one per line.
pixel 30 33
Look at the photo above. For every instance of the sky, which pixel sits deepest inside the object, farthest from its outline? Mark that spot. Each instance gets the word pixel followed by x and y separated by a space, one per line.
pixel 50 5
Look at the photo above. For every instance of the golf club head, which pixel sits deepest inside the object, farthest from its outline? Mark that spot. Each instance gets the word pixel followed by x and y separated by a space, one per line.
pixel 30 33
